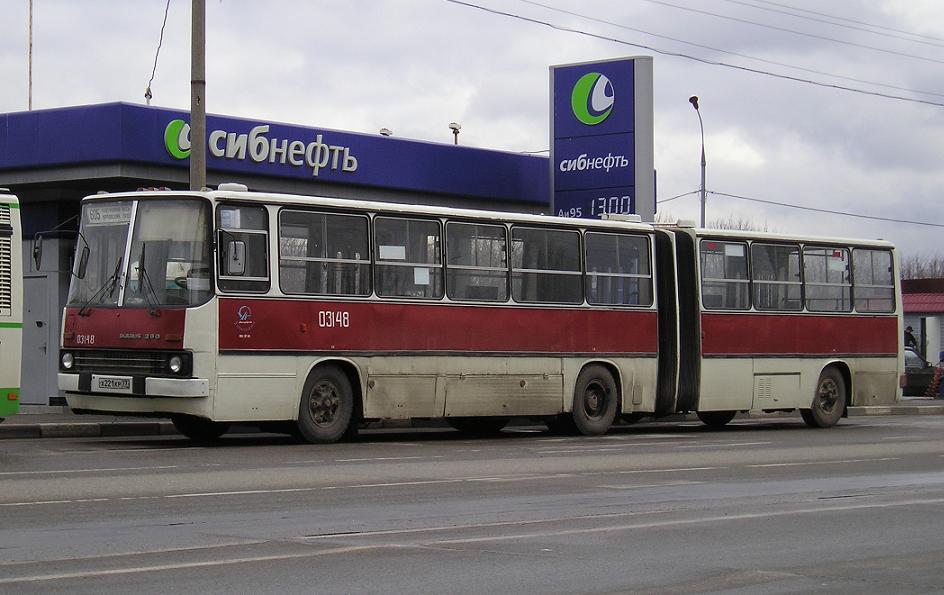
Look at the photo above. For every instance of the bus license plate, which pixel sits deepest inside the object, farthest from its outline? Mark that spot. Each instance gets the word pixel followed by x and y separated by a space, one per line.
pixel 112 384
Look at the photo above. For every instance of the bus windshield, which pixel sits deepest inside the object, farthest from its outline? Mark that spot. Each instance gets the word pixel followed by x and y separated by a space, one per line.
pixel 164 262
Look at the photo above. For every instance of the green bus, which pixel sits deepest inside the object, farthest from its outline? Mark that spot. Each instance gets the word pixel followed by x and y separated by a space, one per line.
pixel 11 303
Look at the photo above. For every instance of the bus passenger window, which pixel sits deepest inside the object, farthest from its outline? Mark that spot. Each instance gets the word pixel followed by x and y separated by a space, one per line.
pixel 775 271
pixel 724 280
pixel 545 265
pixel 826 279
pixel 323 254
pixel 408 255
pixel 243 236
pixel 477 262
pixel 618 271
pixel 873 283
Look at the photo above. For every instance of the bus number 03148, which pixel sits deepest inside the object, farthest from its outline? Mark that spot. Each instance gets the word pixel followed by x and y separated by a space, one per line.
pixel 333 319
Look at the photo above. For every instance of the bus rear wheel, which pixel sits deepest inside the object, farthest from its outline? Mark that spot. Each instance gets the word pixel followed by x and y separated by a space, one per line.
pixel 199 429
pixel 595 401
pixel 715 419
pixel 829 401
pixel 327 406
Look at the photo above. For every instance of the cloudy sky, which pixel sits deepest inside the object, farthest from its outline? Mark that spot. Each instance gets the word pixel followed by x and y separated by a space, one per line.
pixel 415 65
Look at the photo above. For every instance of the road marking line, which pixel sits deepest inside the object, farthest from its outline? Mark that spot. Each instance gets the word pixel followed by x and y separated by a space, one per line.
pixel 722 445
pixel 87 470
pixel 183 565
pixel 497 524
pixel 838 461
pixel 221 545
pixel 650 485
pixel 680 522
pixel 388 459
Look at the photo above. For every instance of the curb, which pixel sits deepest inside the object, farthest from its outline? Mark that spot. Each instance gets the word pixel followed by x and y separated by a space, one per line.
pixel 86 429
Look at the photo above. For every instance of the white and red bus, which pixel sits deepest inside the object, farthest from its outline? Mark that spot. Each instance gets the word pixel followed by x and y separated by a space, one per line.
pixel 318 315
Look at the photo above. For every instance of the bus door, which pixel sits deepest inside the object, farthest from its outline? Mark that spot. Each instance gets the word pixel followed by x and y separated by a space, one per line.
pixel 690 330
pixel 724 291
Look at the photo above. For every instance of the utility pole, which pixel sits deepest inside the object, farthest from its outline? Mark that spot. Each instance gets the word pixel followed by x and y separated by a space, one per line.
pixel 694 101
pixel 197 99
pixel 29 54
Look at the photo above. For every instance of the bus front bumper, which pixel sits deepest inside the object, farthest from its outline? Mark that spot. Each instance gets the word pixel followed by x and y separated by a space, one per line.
pixel 133 386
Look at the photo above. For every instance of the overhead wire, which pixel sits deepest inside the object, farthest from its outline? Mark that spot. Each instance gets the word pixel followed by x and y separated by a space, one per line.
pixel 147 92
pixel 696 58
pixel 834 24
pixel 719 50
pixel 848 20
pixel 819 210
pixel 795 32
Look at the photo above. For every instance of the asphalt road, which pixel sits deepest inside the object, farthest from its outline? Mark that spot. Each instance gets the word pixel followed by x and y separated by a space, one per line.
pixel 761 507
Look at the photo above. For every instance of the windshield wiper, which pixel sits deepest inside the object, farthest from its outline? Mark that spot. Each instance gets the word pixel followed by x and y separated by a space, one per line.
pixel 144 282
pixel 110 284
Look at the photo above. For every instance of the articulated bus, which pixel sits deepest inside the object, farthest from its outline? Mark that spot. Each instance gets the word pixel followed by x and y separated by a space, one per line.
pixel 318 315
pixel 11 303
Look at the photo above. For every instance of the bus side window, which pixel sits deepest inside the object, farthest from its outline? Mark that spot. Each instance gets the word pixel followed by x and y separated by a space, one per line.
pixel 873 284
pixel 323 253
pixel 243 245
pixel 724 280
pixel 618 271
pixel 826 279
pixel 409 258
pixel 545 265
pixel 477 262
pixel 775 270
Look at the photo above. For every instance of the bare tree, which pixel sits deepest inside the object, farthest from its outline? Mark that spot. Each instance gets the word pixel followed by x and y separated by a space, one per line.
pixel 730 222
pixel 922 266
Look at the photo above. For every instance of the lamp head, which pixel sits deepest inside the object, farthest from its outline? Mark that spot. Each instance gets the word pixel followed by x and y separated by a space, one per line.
pixel 694 101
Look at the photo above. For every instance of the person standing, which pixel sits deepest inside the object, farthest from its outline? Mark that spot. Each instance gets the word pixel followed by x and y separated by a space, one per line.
pixel 910 340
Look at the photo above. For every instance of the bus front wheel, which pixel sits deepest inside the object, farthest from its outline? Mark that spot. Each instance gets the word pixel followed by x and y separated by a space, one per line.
pixel 828 402
pixel 595 401
pixel 327 406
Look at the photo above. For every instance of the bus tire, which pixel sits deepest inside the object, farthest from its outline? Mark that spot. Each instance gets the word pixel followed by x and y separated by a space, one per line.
pixel 479 426
pixel 595 401
pixel 715 419
pixel 199 429
pixel 829 402
pixel 327 406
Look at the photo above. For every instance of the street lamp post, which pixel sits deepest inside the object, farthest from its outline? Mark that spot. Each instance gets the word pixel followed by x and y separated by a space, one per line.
pixel 694 101
pixel 455 131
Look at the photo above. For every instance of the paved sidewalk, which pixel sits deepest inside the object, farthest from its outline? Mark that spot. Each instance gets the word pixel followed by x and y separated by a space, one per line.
pixel 37 421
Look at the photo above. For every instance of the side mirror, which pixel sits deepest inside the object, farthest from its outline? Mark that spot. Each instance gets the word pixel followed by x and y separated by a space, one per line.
pixel 235 264
pixel 37 251
pixel 82 265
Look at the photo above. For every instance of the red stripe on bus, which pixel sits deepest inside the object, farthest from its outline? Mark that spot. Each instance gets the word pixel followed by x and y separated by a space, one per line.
pixel 781 334
pixel 373 327
pixel 124 328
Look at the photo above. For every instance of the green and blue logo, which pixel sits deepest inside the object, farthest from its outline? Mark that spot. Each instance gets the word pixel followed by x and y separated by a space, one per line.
pixel 177 139
pixel 592 98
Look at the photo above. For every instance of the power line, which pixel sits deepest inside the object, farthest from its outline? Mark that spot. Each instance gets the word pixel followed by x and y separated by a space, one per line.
pixel 714 49
pixel 848 20
pixel 696 191
pixel 833 23
pixel 695 58
pixel 147 92
pixel 829 211
pixel 793 31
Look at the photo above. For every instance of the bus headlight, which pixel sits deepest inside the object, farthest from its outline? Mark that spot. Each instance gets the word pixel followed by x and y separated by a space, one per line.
pixel 68 360
pixel 175 364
